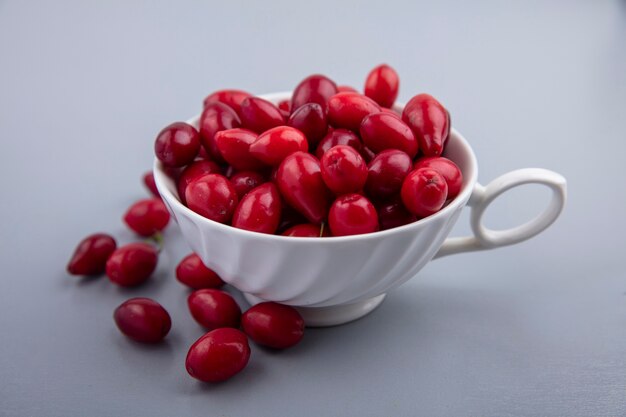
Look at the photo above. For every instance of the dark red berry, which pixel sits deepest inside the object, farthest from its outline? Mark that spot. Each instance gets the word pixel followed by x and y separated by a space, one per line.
pixel 307 230
pixel 177 144
pixel 192 272
pixel 146 217
pixel 143 320
pixel 212 196
pixel 310 119
pixel 260 115
pixel 245 181
pixel 347 110
pixel 424 192
pixel 91 254
pixel 259 210
pixel 192 171
pixel 132 264
pixel 218 355
pixel 352 214
pixel 273 325
pixel 430 123
pixel 393 214
pixel 380 131
pixel 338 137
pixel 213 309
pixel 382 85
pixel 148 181
pixel 448 169
pixel 386 172
pixel 232 98
pixel 313 89
pixel 214 118
pixel 343 170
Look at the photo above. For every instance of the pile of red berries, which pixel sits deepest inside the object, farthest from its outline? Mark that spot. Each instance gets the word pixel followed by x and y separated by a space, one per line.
pixel 327 155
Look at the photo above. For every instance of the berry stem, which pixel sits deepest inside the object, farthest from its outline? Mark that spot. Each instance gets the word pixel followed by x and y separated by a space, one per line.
pixel 156 240
pixel 322 229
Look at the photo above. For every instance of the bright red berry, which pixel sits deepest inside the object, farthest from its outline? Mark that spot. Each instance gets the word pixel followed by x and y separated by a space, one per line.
pixel 192 272
pixel 346 89
pixel 313 89
pixel 232 98
pixel 259 210
pixel 214 118
pixel 260 115
pixel 177 144
pixel 91 254
pixel 274 145
pixel 382 85
pixel 347 110
pixel 143 320
pixel 234 146
pixel 273 325
pixel 380 131
pixel 343 170
pixel 448 169
pixel 192 171
pixel 132 264
pixel 212 196
pixel 352 214
pixel 424 192
pixel 148 181
pixel 430 123
pixel 146 217
pixel 213 308
pixel 218 355
pixel 338 137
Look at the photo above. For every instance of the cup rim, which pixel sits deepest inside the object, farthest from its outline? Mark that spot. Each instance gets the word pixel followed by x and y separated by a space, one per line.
pixel 161 178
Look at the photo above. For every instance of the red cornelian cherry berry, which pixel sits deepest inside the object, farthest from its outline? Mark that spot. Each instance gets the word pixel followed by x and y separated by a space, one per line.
pixel 367 154
pixel 386 172
pixel 234 146
pixel 343 170
pixel 232 98
pixel 147 217
pixel 285 105
pixel 393 214
pixel 448 169
pixel 313 89
pixel 307 230
pixel 177 144
pixel 213 308
pixel 299 179
pixel 380 131
pixel 245 181
pixel 347 110
pixel 260 115
pixel 310 119
pixel 148 181
pixel 132 264
pixel 382 85
pixel 352 214
pixel 259 210
pixel 346 89
pixel 143 320
pixel 192 171
pixel 289 217
pixel 218 355
pixel 430 123
pixel 212 196
pixel 192 272
pixel 338 137
pixel 274 145
pixel 273 325
pixel 214 118
pixel 424 192
pixel 91 254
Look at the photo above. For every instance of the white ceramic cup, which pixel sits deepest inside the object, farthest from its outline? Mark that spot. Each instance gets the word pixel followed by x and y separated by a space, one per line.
pixel 339 279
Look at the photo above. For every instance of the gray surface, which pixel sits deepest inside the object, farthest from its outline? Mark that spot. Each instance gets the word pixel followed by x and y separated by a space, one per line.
pixel 538 329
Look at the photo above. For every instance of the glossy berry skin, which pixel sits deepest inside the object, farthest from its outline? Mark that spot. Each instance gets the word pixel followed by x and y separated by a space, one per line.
pixel 386 173
pixel 232 98
pixel 192 171
pixel 260 115
pixel 143 320
pixel 192 272
pixel 132 264
pixel 148 181
pixel 212 196
pixel 343 170
pixel 393 214
pixel 245 181
pixel 424 192
pixel 338 137
pixel 382 85
pixel 273 325
pixel 285 106
pixel 346 89
pixel 380 131
pixel 289 217
pixel 259 210
pixel 177 144
pixel 218 355
pixel 313 89
pixel 307 230
pixel 347 110
pixel 234 146
pixel 147 217
pixel 430 123
pixel 310 119
pixel 352 214
pixel 214 118
pixel 299 179
pixel 274 145
pixel 91 254
pixel 448 169
pixel 213 309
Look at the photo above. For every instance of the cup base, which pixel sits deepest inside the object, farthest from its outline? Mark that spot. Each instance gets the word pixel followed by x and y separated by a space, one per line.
pixel 332 315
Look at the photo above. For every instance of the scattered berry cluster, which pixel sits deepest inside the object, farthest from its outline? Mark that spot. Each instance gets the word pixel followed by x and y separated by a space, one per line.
pixel 329 155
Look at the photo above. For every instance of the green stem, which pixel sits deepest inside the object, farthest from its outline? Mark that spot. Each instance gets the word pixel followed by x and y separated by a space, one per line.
pixel 157 240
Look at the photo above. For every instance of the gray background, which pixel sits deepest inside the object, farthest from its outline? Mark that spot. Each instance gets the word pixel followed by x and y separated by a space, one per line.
pixel 538 329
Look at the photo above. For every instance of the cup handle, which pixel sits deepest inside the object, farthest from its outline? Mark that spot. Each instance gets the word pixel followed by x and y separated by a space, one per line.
pixel 480 199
